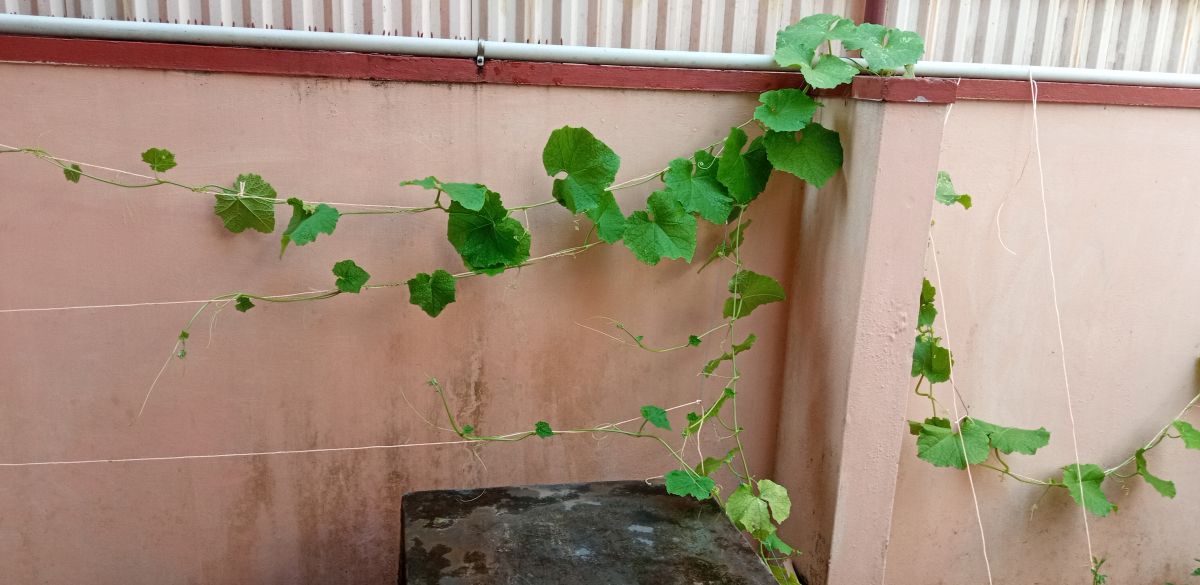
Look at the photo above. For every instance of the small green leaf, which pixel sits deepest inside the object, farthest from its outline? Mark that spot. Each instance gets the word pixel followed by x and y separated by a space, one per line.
pixel 712 464
pixel 1010 440
pixel 243 304
pixel 695 421
pixel 776 496
pixel 1196 571
pixel 781 574
pixel 1164 487
pixel 468 429
pixel 776 544
pixel 940 445
pixel 183 335
pixel 590 165
pixel 748 511
pixel 656 416
pixel 73 172
pixel 694 340
pixel 250 204
pixel 751 290
pixel 930 359
pixel 431 292
pixel 946 195
pixel 744 175
pixel 469 195
pixel 610 222
pixel 350 278
pixel 886 48
pixel 542 429
pixel 1083 482
pixel 683 483
pixel 738 348
pixel 815 157
pixel 664 230
pixel 488 240
pixel 828 72
pixel 160 160
pixel 786 110
pixel 307 222
pixel 1189 434
pixel 699 191
pixel 927 312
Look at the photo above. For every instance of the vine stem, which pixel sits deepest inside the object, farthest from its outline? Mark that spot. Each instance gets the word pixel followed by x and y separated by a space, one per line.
pixel 1162 433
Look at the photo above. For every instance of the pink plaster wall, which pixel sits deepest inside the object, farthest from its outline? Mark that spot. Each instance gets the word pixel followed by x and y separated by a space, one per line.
pixel 1122 187
pixel 333 373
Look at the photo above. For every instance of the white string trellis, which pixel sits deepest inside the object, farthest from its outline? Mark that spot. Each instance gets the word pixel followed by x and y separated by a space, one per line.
pixel 323 450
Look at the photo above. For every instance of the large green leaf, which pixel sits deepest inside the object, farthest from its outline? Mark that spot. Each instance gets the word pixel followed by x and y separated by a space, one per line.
pixel 786 110
pixel 828 72
pixel 797 44
pixel 885 48
pixel 469 195
pixel 930 359
pixel 946 195
pixel 751 290
pixel 697 187
pixel 250 204
pixel 350 276
pixel 941 446
pixel 1164 487
pixel 815 157
pixel 1083 482
pixel 431 292
pixel 744 175
pixel 776 496
pixel 610 222
pixel 307 221
pixel 685 483
pixel 748 511
pixel 488 240
pixel 1014 440
pixel 590 166
pixel 664 230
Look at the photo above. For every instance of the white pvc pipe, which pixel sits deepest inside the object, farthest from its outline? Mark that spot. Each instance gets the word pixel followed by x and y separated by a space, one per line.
pixel 431 47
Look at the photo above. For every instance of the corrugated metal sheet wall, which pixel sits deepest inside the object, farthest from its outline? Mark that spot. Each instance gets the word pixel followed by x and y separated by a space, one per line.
pixel 1146 35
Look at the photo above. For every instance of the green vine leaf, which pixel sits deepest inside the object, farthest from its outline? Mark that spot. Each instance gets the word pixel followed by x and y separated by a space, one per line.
pixel 886 48
pixel 488 240
pixel 431 292
pixel 699 191
pixel 712 464
pixel 682 483
pixel 797 44
pixel 785 110
pixel 748 511
pixel 828 72
pixel 815 157
pixel 930 359
pixel 946 195
pixel 656 416
pixel 307 221
pixel 940 445
pixel 243 304
pixel 664 230
pixel 776 496
pixel 745 174
pixel 160 160
pixel 469 195
pixel 590 165
pixel 1189 434
pixel 542 429
pixel 927 312
pixel 350 277
pixel 73 172
pixel 777 544
pixel 737 348
pixel 750 291
pixel 1083 482
pixel 610 222
pixel 695 421
pixel 694 340
pixel 1010 440
pixel 1162 486
pixel 250 204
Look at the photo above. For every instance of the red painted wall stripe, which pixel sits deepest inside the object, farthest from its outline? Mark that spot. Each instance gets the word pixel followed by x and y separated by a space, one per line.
pixel 182 57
